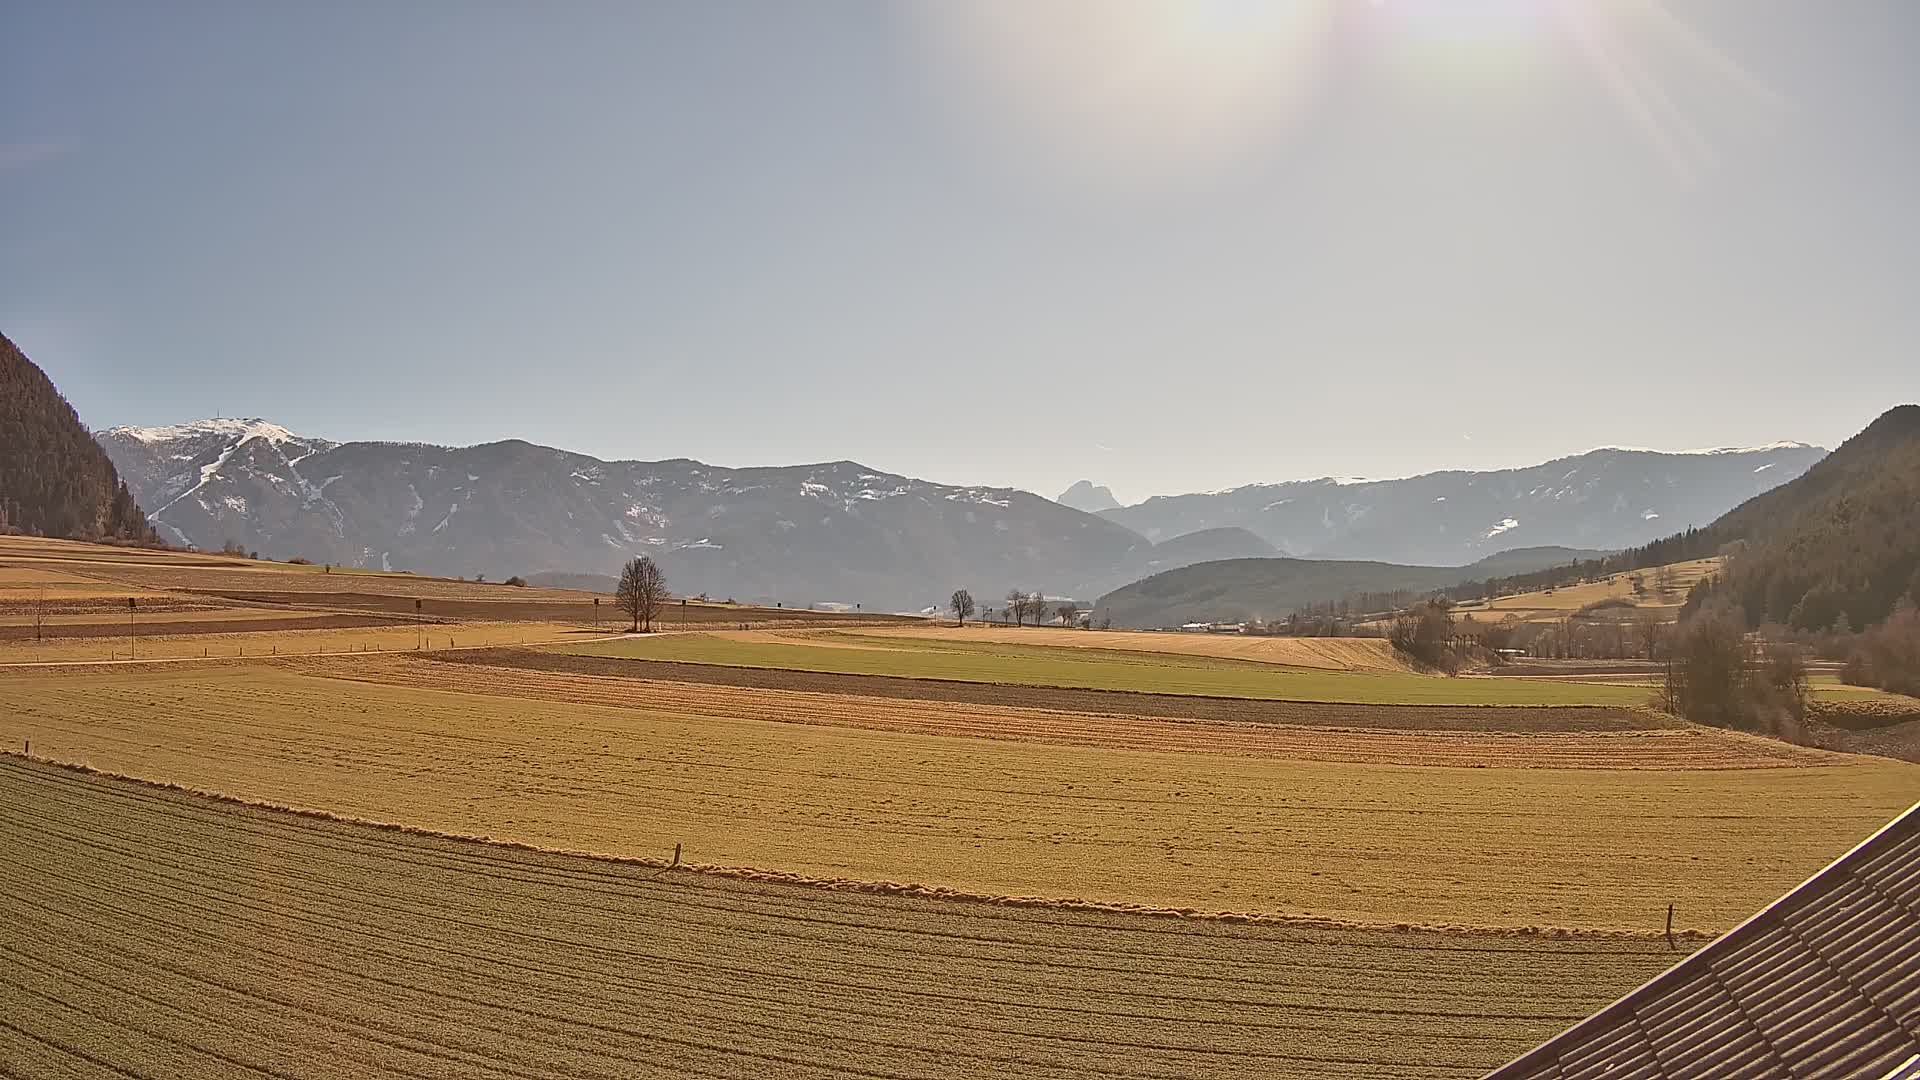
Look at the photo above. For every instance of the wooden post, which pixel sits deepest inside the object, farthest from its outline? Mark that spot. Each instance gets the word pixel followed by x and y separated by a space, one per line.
pixel 1670 943
pixel 676 856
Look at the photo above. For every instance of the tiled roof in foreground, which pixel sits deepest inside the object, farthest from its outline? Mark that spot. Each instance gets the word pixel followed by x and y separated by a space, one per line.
pixel 1824 982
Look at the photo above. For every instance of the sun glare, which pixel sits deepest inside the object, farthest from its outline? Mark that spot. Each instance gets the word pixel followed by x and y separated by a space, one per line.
pixel 1145 93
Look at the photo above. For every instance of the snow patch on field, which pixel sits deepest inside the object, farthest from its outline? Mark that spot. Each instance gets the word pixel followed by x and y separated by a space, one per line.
pixel 1505 525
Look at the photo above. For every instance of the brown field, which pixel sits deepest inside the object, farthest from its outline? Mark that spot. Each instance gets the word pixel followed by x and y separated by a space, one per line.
pixel 157 933
pixel 1338 654
pixel 284 638
pixel 1505 718
pixel 1386 739
pixel 1515 719
pixel 175 623
pixel 1559 603
pixel 1575 848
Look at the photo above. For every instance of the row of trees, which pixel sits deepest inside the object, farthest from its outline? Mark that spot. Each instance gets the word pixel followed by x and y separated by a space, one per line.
pixel 1022 607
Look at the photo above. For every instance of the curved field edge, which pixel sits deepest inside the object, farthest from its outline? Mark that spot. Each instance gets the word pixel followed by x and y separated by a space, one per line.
pixel 1315 732
pixel 162 933
pixel 878 888
pixel 1357 842
pixel 1138 673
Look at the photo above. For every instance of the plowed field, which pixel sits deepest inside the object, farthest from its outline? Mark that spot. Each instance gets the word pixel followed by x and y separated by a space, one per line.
pixel 154 933
pixel 1373 843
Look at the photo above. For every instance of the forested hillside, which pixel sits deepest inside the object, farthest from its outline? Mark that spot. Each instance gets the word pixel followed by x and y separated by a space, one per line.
pixel 54 479
pixel 1840 544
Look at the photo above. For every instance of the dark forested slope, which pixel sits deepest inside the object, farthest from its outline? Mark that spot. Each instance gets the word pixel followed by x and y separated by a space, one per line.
pixel 54 479
pixel 1841 540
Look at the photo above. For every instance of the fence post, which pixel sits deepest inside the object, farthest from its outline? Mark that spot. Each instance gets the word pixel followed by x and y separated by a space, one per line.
pixel 1670 943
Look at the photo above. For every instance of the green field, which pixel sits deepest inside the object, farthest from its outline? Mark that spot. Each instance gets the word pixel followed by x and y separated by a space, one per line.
pixel 1100 669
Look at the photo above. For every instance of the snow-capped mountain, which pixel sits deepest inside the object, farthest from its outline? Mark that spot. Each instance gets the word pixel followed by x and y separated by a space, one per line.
pixel 844 532
pixel 1605 498
pixel 834 532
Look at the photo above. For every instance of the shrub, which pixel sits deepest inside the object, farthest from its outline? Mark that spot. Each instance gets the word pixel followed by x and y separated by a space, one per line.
pixel 1888 655
pixel 1716 676
pixel 300 560
pixel 516 581
pixel 1424 633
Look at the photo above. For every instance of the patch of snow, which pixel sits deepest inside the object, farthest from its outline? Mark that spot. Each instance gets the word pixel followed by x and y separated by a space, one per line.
pixel 1505 524
pixel 703 542
pixel 1275 505
pixel 236 504
pixel 1767 466
pixel 1439 498
pixel 413 512
pixel 451 510
pixel 1648 515
pixel 818 491
pixel 243 429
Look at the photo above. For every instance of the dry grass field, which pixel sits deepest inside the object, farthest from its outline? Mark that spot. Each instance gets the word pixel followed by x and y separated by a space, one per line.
pixel 154 933
pixel 907 852
pixel 1598 738
pixel 900 655
pixel 282 637
pixel 1553 604
pixel 1068 817
pixel 74 596
pixel 1336 654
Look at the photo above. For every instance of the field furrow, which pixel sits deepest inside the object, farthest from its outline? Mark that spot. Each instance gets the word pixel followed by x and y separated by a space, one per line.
pixel 901 810
pixel 169 934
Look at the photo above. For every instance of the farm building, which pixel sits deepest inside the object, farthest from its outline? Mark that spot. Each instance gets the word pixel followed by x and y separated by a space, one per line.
pixel 1823 982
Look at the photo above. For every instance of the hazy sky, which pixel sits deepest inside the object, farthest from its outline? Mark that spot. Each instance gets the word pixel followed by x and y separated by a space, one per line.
pixel 1165 246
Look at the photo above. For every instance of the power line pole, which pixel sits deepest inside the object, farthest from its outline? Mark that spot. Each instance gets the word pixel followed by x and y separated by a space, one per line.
pixel 130 606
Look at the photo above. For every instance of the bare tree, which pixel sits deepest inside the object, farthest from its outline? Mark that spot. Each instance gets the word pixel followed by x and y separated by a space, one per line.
pixel 642 592
pixel 1017 605
pixel 1666 580
pixel 1068 612
pixel 1649 628
pixel 1036 607
pixel 962 605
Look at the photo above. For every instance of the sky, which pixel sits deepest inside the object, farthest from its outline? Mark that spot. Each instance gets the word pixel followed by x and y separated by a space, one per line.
pixel 1166 246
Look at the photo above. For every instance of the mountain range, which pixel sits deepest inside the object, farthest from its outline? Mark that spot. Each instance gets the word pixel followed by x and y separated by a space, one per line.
pixel 1604 499
pixel 846 532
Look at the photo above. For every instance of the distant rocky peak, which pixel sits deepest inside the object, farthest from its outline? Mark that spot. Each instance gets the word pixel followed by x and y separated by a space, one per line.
pixel 1085 496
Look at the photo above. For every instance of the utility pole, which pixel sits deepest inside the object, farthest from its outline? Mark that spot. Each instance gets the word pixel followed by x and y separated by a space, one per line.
pixel 130 605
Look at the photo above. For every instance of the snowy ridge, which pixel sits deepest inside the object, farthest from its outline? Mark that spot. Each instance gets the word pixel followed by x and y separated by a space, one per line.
pixel 240 429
